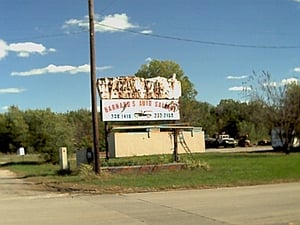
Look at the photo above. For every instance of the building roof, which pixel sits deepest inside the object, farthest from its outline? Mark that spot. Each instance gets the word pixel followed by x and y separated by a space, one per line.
pixel 150 127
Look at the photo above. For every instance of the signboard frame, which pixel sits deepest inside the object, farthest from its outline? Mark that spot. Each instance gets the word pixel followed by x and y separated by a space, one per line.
pixel 131 98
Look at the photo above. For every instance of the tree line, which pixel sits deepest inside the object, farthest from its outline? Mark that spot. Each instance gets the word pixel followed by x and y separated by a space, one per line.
pixel 43 131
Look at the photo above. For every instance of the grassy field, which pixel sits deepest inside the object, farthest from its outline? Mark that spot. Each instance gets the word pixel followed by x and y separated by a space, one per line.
pixel 208 170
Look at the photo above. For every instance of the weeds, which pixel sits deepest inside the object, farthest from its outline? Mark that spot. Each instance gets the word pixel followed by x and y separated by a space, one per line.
pixel 191 163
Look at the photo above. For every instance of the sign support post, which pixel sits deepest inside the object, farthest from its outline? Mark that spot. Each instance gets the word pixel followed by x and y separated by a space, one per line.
pixel 175 145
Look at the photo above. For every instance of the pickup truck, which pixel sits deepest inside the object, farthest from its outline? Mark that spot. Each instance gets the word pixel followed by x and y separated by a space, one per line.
pixel 219 140
pixel 225 140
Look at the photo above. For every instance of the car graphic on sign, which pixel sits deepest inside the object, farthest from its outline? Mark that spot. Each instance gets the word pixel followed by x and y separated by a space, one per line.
pixel 146 114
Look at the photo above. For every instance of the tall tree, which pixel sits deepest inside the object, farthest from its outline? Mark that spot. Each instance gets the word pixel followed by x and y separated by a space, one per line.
pixel 292 105
pixel 17 128
pixel 228 114
pixel 4 135
pixel 166 69
pixel 48 131
pixel 280 102
pixel 258 121
pixel 80 120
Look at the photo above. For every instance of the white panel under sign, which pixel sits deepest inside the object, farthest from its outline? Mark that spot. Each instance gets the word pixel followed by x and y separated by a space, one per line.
pixel 140 109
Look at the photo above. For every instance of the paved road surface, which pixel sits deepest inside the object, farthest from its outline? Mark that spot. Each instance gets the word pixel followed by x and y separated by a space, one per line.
pixel 266 204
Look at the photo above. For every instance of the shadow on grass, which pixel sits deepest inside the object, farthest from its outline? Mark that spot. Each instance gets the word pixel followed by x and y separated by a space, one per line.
pixel 61 173
pixel 66 172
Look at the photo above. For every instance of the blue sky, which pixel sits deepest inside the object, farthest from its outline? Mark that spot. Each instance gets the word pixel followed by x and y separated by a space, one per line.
pixel 44 45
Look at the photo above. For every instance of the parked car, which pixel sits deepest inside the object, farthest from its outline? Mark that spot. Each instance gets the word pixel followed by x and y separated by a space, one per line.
pixel 244 141
pixel 209 142
pixel 264 142
pixel 225 140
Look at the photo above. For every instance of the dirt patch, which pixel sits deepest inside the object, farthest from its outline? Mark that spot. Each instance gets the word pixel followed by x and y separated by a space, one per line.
pixel 12 185
pixel 144 168
pixel 17 185
pixel 5 174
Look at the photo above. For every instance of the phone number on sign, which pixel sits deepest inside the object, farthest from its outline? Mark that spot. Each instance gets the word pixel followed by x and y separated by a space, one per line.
pixel 120 116
pixel 163 115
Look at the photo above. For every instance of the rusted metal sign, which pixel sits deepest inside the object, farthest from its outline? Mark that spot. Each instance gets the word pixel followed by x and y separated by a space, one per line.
pixel 131 87
pixel 133 98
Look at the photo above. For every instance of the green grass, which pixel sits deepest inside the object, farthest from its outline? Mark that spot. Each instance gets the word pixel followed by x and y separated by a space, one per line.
pixel 240 169
pixel 221 170
pixel 12 158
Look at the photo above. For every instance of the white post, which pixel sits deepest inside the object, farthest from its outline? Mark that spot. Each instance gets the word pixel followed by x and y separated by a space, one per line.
pixel 63 158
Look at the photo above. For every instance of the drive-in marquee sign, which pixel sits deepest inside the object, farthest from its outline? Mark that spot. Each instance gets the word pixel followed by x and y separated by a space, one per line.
pixel 131 98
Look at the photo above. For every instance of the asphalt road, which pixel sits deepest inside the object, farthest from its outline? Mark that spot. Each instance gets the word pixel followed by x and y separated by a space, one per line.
pixel 266 204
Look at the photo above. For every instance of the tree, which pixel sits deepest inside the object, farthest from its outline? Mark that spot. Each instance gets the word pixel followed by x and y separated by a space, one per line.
pixel 198 113
pixel 228 114
pixel 166 69
pixel 280 102
pixel 258 121
pixel 80 120
pixel 292 105
pixel 48 131
pixel 4 135
pixel 17 128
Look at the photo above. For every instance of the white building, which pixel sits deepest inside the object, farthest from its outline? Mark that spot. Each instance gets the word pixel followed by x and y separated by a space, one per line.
pixel 151 140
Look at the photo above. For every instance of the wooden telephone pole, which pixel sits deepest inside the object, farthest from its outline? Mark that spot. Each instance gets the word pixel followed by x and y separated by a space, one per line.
pixel 93 88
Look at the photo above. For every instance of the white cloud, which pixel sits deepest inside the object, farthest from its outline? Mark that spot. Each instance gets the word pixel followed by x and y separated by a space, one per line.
pixel 52 50
pixel 110 23
pixel 11 90
pixel 26 48
pixel 296 1
pixel 239 88
pixel 74 23
pixel 146 32
pixel 282 82
pixel 4 108
pixel 271 84
pixel 23 49
pixel 149 59
pixel 297 69
pixel 3 49
pixel 237 77
pixel 58 69
pixel 102 68
pixel 290 81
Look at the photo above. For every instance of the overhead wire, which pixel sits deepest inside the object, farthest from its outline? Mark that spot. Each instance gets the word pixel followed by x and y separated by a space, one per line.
pixel 202 41
pixel 168 37
pixel 162 36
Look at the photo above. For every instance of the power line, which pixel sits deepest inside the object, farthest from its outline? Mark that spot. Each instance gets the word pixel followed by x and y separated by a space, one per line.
pixel 168 37
pixel 46 36
pixel 108 6
pixel 202 41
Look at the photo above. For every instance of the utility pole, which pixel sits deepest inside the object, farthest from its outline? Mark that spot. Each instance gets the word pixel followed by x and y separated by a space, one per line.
pixel 93 87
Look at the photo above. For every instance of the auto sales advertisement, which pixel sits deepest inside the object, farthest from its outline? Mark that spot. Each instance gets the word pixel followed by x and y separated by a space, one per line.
pixel 138 99
pixel 140 109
